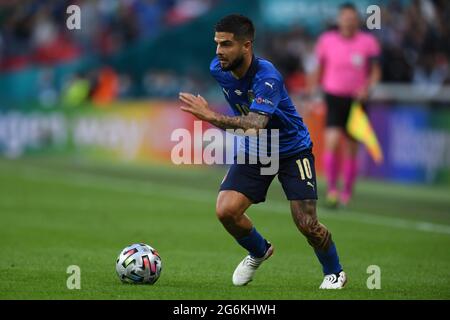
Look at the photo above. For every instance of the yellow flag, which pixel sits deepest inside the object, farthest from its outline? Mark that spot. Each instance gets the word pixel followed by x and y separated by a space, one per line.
pixel 359 127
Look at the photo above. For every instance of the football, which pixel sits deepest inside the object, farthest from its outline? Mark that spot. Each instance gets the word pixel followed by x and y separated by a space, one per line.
pixel 139 263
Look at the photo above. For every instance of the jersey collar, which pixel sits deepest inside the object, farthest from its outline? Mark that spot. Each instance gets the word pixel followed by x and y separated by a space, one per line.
pixel 253 68
pixel 251 72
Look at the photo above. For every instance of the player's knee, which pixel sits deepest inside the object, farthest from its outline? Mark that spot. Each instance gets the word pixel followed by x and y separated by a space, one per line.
pixel 309 207
pixel 332 139
pixel 302 208
pixel 305 217
pixel 226 213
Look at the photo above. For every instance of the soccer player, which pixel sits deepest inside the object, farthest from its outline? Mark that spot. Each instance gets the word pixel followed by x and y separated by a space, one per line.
pixel 256 93
pixel 348 69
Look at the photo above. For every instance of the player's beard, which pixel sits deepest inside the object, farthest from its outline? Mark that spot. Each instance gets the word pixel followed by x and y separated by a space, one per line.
pixel 236 63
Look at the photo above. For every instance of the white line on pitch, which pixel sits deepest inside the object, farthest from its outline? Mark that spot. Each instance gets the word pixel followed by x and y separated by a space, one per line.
pixel 140 187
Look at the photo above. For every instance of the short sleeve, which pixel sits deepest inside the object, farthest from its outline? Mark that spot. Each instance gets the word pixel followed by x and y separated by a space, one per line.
pixel 267 96
pixel 213 67
pixel 374 50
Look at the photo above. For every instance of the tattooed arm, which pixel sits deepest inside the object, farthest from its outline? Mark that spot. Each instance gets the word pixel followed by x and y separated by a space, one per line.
pixel 252 120
pixel 198 106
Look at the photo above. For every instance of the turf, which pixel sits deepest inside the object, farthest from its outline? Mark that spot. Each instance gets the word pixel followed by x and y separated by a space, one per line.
pixel 61 212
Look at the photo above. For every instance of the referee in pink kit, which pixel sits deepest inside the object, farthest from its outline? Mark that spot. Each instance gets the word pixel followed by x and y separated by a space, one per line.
pixel 348 68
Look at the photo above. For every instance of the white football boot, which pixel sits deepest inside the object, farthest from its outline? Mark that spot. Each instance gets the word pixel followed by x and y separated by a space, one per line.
pixel 334 281
pixel 246 269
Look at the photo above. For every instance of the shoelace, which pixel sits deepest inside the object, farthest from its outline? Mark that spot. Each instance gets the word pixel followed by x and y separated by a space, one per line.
pixel 252 262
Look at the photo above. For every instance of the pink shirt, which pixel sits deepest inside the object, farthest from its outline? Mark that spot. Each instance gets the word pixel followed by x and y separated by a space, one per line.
pixel 345 61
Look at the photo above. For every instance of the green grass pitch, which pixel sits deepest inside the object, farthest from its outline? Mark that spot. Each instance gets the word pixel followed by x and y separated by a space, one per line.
pixel 59 212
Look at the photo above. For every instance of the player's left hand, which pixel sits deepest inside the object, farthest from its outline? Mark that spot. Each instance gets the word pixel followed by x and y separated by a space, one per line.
pixel 362 94
pixel 197 105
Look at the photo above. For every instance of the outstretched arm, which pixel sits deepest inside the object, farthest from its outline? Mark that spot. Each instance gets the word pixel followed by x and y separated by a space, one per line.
pixel 198 106
pixel 374 77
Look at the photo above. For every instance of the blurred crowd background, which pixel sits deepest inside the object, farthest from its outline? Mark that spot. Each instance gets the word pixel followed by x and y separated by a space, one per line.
pixel 130 59
pixel 35 32
pixel 415 39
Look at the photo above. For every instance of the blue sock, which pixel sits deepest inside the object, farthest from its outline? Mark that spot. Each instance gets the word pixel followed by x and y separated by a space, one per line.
pixel 254 243
pixel 329 259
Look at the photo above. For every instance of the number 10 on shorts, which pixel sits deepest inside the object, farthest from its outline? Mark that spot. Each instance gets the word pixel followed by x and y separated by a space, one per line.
pixel 304 166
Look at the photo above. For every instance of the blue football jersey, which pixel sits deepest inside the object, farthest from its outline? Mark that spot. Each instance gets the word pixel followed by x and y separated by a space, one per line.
pixel 262 90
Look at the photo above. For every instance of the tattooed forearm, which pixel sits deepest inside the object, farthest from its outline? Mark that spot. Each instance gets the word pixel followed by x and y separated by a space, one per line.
pixel 250 121
pixel 198 106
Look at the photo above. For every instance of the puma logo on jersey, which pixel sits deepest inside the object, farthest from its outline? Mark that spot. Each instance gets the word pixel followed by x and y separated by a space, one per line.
pixel 310 184
pixel 269 84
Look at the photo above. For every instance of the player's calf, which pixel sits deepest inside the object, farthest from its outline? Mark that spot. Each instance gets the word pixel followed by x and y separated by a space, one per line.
pixel 305 218
pixel 318 236
pixel 230 210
